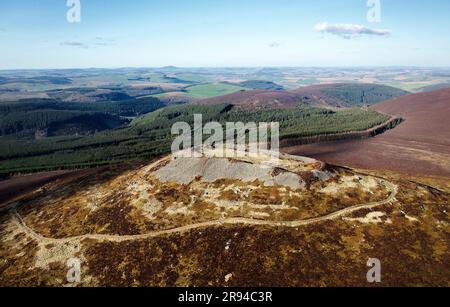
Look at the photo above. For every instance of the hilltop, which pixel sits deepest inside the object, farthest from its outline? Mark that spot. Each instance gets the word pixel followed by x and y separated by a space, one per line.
pixel 213 221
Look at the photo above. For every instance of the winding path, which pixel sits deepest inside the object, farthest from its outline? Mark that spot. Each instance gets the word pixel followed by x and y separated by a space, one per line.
pixel 17 219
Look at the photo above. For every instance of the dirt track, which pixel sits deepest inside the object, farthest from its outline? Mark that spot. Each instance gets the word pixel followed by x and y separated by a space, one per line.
pixel 17 219
pixel 419 146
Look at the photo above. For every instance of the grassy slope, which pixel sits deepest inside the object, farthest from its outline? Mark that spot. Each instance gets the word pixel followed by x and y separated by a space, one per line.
pixel 212 90
pixel 202 91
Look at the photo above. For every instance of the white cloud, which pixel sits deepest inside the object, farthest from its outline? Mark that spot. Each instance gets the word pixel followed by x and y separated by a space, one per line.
pixel 348 31
pixel 74 44
pixel 274 45
pixel 99 41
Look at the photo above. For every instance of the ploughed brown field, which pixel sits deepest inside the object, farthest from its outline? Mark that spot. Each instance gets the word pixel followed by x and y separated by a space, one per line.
pixel 420 146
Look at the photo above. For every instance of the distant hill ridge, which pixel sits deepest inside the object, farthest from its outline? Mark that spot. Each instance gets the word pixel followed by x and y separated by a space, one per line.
pixel 261 85
pixel 341 95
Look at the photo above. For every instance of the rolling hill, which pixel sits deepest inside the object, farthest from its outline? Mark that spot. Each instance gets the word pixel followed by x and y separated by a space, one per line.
pixel 340 95
pixel 347 95
pixel 434 87
pixel 257 100
pixel 56 122
pixel 42 118
pixel 419 146
pixel 426 117
pixel 261 85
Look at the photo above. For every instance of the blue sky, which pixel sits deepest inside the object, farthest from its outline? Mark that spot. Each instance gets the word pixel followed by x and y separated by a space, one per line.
pixel 218 33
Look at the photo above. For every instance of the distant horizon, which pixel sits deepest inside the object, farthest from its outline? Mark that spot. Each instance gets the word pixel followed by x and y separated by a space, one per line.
pixel 227 67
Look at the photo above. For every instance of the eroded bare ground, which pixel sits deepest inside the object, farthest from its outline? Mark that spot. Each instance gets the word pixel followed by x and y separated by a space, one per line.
pixel 134 229
pixel 138 202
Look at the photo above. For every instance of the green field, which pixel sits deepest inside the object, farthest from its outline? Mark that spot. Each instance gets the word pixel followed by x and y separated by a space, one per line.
pixel 161 95
pixel 212 90
pixel 410 87
pixel 309 81
pixel 203 91
pixel 192 77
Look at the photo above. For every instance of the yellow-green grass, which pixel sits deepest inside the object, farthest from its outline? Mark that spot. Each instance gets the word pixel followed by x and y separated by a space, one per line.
pixel 212 90
pixel 201 91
